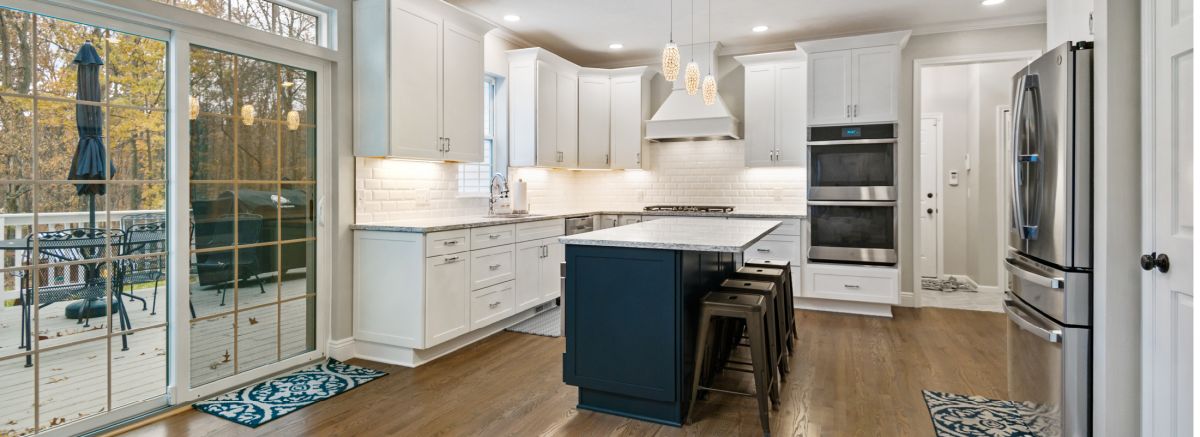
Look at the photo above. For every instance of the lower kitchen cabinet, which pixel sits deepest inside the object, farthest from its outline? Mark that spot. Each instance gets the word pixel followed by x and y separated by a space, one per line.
pixel 537 271
pixel 419 295
pixel 446 314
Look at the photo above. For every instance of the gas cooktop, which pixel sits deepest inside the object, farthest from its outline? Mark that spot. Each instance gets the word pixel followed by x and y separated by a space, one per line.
pixel 688 208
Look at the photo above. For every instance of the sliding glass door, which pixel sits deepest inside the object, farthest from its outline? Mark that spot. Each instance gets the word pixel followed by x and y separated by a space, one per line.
pixel 253 203
pixel 83 127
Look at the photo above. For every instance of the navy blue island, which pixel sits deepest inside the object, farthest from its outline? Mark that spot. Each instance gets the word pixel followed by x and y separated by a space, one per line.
pixel 632 306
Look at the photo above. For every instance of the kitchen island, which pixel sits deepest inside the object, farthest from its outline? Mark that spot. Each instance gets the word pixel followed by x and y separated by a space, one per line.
pixel 632 304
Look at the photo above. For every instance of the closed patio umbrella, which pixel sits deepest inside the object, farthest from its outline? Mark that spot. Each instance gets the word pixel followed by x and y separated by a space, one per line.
pixel 88 162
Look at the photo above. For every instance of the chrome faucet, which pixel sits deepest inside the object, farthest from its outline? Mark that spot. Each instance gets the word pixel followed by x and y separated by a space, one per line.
pixel 498 190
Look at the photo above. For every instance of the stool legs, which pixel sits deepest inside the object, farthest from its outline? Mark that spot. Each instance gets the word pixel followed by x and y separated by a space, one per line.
pixel 701 361
pixel 764 388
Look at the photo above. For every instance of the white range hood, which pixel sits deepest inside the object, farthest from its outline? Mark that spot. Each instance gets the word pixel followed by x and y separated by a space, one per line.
pixel 685 117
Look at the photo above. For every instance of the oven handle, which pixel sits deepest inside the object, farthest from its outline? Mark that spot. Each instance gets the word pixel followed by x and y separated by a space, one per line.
pixel 1014 314
pixel 1036 278
pixel 850 203
pixel 852 142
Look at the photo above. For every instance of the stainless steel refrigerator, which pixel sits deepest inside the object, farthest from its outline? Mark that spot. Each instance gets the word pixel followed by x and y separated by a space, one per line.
pixel 1050 241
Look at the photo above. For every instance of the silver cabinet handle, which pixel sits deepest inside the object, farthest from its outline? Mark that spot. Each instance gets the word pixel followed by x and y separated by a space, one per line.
pixel 847 111
pixel 856 110
pixel 763 250
pixel 607 159
pixel 493 305
pixel 494 236
pixel 1014 314
pixel 851 286
pixel 451 259
pixel 639 158
pixel 494 267
pixel 450 242
pixel 1036 278
pixel 441 144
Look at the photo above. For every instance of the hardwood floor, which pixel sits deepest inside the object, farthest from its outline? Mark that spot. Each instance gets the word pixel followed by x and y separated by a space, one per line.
pixel 851 376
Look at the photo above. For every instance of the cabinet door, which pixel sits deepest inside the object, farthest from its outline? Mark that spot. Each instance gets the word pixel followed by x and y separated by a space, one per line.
pixel 593 121
pixel 447 298
pixel 567 111
pixel 551 283
pixel 528 273
pixel 760 116
pixel 415 81
pixel 626 123
pixel 829 87
pixel 547 117
pixel 876 90
pixel 791 122
pixel 462 94
pixel 607 221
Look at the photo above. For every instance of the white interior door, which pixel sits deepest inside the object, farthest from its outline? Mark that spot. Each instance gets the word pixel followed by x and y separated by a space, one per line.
pixel 927 213
pixel 1169 296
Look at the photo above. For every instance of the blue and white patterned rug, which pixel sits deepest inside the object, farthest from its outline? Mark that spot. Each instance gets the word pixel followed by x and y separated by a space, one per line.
pixel 269 400
pixel 975 416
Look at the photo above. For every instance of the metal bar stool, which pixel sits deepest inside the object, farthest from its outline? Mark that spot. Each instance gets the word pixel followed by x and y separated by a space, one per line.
pixel 786 266
pixel 777 330
pixel 786 311
pixel 753 310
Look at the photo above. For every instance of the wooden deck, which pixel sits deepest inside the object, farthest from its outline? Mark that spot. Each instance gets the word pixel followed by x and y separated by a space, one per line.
pixel 73 380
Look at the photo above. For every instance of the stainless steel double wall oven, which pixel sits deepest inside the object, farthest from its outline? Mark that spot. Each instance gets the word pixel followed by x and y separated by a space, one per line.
pixel 852 194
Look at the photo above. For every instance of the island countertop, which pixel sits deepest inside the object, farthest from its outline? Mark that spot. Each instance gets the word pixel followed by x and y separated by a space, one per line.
pixel 687 234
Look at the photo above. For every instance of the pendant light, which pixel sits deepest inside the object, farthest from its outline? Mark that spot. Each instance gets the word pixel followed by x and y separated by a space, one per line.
pixel 710 83
pixel 670 54
pixel 691 78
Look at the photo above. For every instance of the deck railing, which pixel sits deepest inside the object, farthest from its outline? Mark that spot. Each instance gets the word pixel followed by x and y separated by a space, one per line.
pixel 17 226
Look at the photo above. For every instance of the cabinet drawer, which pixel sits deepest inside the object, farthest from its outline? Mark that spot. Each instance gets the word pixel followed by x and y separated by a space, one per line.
pixel 492 236
pixel 852 283
pixel 441 243
pixel 491 304
pixel 787 226
pixel 781 247
pixel 539 229
pixel 491 266
pixel 630 219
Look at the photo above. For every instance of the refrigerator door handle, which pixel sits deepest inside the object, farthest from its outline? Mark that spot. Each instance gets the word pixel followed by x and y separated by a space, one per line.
pixel 1026 217
pixel 1018 115
pixel 1015 314
pixel 1036 278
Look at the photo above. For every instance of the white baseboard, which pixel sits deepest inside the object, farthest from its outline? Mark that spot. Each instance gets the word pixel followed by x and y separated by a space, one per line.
pixel 340 350
pixel 908 299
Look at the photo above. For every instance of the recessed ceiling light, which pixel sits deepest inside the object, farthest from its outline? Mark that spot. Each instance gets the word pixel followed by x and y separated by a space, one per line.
pixel 512 18
pixel 761 29
pixel 992 2
pixel 616 46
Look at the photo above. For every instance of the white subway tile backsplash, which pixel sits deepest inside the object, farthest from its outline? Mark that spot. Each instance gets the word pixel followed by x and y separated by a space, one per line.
pixel 706 172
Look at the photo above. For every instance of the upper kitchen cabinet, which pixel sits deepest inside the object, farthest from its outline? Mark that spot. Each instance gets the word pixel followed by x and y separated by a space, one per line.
pixel 630 108
pixel 543 95
pixel 775 108
pixel 418 66
pixel 854 79
pixel 594 107
pixel 1068 20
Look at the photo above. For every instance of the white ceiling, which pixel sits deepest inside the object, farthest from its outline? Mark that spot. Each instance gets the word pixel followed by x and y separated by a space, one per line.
pixel 581 30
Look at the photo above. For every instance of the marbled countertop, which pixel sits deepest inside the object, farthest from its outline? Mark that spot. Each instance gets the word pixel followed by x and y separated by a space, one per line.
pixel 437 224
pixel 683 233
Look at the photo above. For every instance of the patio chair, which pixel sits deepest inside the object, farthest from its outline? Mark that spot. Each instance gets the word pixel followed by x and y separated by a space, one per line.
pixel 218 267
pixel 72 246
pixel 143 238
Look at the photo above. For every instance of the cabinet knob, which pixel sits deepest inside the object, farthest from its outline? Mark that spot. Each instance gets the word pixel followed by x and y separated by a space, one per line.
pixel 929 210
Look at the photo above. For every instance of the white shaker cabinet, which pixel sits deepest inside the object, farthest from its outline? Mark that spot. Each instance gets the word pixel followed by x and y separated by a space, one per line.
pixel 544 109
pixel 417 69
pixel 854 79
pixel 1068 20
pixel 447 294
pixel 594 110
pixel 775 108
pixel 630 91
pixel 537 278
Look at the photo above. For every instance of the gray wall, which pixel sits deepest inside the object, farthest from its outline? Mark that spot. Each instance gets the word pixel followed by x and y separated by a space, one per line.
pixel 946 91
pixel 1008 39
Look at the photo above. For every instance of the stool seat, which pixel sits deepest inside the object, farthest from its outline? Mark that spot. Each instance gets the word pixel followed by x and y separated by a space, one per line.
pixel 736 301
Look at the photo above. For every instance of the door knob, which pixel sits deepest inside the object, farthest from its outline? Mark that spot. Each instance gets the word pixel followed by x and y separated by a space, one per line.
pixel 929 210
pixel 929 195
pixel 1156 260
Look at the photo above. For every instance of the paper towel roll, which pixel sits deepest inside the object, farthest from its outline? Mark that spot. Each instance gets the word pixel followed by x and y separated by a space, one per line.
pixel 520 197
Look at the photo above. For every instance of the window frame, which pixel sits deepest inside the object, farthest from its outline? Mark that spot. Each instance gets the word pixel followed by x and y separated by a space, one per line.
pixel 489 153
